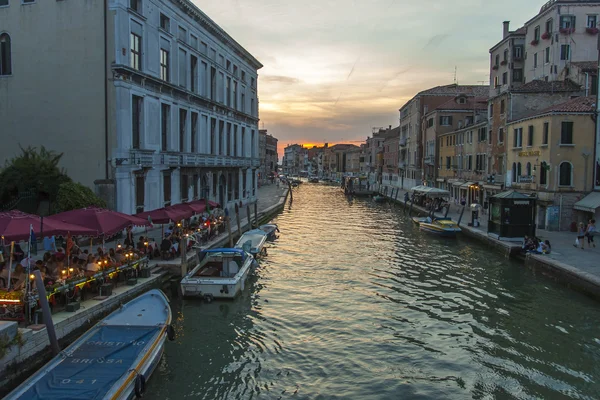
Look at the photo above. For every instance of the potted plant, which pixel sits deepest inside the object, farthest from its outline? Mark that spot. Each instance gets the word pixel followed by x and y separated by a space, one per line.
pixel 546 35
pixel 567 31
pixel 534 42
pixel 592 30
pixel 495 67
pixel 504 62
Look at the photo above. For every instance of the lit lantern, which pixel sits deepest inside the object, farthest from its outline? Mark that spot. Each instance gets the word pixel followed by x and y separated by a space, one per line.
pixel 32 276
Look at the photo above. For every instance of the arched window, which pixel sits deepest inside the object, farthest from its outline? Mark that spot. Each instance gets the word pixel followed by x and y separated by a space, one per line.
pixel 528 169
pixel 565 177
pixel 543 173
pixel 514 172
pixel 5 59
pixel 519 170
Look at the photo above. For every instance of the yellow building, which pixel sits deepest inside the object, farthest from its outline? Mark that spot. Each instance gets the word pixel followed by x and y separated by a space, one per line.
pixel 551 153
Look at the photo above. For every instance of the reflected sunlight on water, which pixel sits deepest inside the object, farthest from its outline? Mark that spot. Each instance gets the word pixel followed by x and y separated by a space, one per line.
pixel 354 302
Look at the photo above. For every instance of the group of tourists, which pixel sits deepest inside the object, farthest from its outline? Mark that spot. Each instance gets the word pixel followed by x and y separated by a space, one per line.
pixel 536 245
pixel 586 232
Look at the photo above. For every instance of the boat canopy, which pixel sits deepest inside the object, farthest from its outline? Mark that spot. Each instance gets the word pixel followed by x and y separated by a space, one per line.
pixel 93 368
pixel 430 191
pixel 225 250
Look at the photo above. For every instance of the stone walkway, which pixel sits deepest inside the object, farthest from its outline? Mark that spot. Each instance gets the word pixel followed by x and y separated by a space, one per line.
pixel 562 242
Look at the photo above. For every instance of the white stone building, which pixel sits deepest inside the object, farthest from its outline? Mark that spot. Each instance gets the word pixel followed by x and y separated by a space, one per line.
pixel 150 100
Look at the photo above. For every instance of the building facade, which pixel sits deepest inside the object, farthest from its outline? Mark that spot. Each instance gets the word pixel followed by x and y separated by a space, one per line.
pixel 295 159
pixel 165 108
pixel 551 154
pixel 271 155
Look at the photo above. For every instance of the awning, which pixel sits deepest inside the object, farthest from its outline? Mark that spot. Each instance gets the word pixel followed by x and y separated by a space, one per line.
pixel 492 187
pixel 459 183
pixel 466 185
pixel 589 203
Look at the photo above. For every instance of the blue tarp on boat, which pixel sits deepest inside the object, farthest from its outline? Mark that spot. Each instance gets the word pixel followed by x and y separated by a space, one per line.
pixel 94 367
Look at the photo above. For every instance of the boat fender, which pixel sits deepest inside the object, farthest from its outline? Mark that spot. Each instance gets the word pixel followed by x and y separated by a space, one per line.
pixel 208 298
pixel 140 386
pixel 170 333
pixel 225 289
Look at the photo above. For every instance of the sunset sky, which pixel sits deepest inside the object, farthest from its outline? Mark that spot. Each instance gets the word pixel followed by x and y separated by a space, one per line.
pixel 334 69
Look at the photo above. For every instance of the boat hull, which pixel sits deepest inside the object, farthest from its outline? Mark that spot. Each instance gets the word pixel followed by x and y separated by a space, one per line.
pixel 437 230
pixel 108 360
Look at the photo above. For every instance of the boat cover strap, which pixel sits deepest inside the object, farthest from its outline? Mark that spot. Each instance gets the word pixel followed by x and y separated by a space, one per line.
pixel 92 369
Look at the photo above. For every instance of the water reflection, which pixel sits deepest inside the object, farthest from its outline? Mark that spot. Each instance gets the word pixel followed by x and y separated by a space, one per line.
pixel 355 302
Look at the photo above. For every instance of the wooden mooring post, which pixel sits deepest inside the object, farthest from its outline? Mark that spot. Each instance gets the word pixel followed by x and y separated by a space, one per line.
pixel 237 217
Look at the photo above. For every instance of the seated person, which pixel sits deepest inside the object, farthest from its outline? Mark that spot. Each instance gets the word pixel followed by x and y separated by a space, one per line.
pixel 546 247
pixel 141 244
pixel 91 266
pixel 18 278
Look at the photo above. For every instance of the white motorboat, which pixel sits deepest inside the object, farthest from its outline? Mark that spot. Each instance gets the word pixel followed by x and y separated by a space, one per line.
pixel 220 273
pixel 253 242
pixel 271 230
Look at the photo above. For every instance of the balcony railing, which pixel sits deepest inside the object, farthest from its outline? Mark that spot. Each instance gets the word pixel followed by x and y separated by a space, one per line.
pixel 429 160
pixel 206 160
pixel 403 141
pixel 141 157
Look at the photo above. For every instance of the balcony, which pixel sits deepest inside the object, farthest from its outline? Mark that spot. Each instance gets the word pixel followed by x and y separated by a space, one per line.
pixel 142 158
pixel 402 165
pixel 403 141
pixel 206 160
pixel 429 160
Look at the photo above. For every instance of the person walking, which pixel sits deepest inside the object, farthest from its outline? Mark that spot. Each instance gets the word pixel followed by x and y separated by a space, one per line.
pixel 581 233
pixel 590 232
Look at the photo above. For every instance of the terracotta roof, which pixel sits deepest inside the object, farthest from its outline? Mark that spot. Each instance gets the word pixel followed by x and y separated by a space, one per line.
pixel 454 90
pixel 577 105
pixel 586 66
pixel 521 31
pixel 543 86
pixel 477 103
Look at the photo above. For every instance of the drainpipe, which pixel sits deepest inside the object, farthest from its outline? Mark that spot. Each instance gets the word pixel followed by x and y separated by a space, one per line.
pixel 587 86
pixel 106 89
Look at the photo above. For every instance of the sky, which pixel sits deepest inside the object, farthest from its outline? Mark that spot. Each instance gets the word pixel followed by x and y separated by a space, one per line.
pixel 335 69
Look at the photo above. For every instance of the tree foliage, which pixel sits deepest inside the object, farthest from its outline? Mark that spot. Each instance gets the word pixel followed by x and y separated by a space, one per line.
pixel 73 195
pixel 35 172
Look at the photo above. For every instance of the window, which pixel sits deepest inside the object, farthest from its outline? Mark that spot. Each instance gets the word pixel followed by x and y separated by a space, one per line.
pixel 518 75
pixel 229 140
pixel 252 106
pixel 228 92
pixel 193 41
pixel 565 174
pixel 193 74
pixel 182 68
pixel 213 83
pixel 528 169
pixel 482 134
pixel 530 136
pixel 591 21
pixel 500 135
pixel 243 76
pixel 565 52
pixel 448 161
pixel 243 99
pixel 165 23
pixel 518 138
pixel 235 102
pixel 136 51
pixel 505 78
pixel 182 34
pixel 549 24
pixel 505 56
pixel 204 48
pixel 518 52
pixel 536 33
pixel 514 172
pixel 491 109
pixel 4 3
pixel 519 169
pixel 502 107
pixel 446 120
pixel 182 130
pixel 567 22
pixel 497 60
pixel 543 173
pixel 222 138
pixel 140 189
pixel 184 187
pixel 136 120
pixel 167 188
pixel 547 55
pixel 165 118
pixel 164 65
pixel 235 141
pixel 535 60
pixel 430 122
pixel 252 82
pixel 194 148
pixel 566 133
pixel 5 55
pixel 545 133
pixel 213 142
pixel 136 5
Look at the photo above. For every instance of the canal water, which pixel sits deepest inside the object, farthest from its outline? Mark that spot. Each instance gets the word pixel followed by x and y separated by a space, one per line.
pixel 353 302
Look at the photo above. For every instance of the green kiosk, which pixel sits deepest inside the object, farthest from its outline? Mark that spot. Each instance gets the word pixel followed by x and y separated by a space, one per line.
pixel 512 216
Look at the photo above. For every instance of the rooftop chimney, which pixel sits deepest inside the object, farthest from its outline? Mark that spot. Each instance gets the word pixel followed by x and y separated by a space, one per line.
pixel 390 128
pixel 505 26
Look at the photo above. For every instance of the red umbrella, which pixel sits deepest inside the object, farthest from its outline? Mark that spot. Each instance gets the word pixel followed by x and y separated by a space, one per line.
pixel 105 222
pixel 165 215
pixel 203 202
pixel 15 225
pixel 196 208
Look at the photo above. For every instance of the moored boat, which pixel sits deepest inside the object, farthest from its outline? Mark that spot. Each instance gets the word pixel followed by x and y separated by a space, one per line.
pixel 253 242
pixel 441 227
pixel 313 179
pixel 113 360
pixel 378 199
pixel 271 230
pixel 220 273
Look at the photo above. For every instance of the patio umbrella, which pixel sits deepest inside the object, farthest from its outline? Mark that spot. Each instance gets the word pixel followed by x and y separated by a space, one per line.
pixel 165 215
pixel 105 222
pixel 15 226
pixel 196 208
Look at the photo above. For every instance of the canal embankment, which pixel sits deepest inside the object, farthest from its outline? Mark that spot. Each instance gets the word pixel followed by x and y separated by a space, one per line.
pixel 578 269
pixel 25 349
